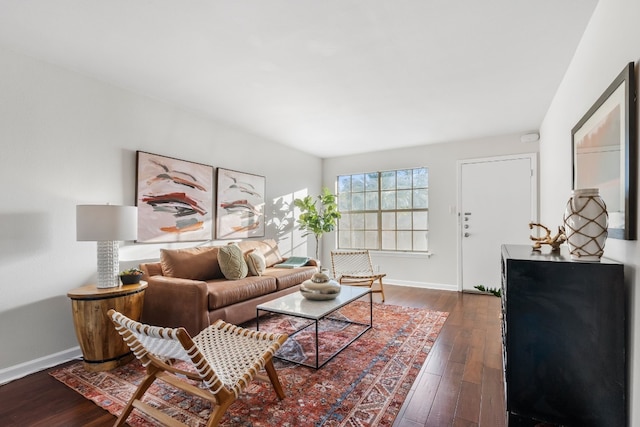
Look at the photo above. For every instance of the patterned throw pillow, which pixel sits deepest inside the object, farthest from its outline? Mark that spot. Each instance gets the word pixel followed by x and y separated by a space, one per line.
pixel 256 262
pixel 232 263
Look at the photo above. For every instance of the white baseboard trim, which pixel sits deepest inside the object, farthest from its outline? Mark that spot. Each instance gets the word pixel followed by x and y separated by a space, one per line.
pixel 424 285
pixel 23 369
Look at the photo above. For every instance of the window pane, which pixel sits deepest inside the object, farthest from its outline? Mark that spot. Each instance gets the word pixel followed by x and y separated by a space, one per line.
pixel 357 201
pixel 388 180
pixel 372 201
pixel 344 202
pixel 357 221
pixel 371 181
pixel 388 220
pixel 371 221
pixel 357 239
pixel 389 240
pixel 357 182
pixel 405 240
pixel 371 239
pixel 388 201
pixel 344 223
pixel 404 178
pixel 404 220
pixel 404 199
pixel 420 241
pixel 421 198
pixel 421 220
pixel 344 240
pixel 344 184
pixel 420 178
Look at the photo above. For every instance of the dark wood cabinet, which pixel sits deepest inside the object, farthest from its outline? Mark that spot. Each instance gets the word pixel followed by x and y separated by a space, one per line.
pixel 564 333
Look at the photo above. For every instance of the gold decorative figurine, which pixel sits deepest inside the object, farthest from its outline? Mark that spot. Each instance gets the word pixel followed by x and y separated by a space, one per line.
pixel 554 241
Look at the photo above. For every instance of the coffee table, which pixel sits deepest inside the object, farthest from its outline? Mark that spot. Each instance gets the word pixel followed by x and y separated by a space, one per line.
pixel 316 311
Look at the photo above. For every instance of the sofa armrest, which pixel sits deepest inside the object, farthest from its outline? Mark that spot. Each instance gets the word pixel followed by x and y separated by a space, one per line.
pixel 173 302
pixel 150 269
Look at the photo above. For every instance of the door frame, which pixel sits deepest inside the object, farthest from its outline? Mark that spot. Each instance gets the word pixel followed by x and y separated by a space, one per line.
pixel 533 157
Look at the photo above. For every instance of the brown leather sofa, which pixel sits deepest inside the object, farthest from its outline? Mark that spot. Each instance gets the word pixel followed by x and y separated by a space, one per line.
pixel 187 287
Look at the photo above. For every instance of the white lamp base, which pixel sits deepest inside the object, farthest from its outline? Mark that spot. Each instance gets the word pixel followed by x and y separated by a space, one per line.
pixel 108 264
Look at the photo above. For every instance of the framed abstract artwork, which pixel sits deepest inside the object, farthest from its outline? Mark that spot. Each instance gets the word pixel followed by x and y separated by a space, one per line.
pixel 239 205
pixel 604 148
pixel 174 199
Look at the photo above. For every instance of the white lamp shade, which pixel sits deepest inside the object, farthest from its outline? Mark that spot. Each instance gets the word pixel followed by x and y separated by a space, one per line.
pixel 106 223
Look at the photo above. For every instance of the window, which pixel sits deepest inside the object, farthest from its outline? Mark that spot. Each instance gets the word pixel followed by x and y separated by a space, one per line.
pixel 386 211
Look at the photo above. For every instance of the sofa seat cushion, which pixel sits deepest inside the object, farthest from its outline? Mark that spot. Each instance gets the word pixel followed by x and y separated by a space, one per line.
pixel 226 292
pixel 200 263
pixel 288 277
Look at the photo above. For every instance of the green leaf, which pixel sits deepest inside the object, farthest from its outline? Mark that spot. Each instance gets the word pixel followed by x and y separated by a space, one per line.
pixel 315 219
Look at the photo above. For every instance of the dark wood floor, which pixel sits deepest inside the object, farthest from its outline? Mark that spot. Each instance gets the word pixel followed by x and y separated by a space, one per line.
pixel 459 385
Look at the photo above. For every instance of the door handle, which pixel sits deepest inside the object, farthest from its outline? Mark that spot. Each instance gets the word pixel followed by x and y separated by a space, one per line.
pixel 466 234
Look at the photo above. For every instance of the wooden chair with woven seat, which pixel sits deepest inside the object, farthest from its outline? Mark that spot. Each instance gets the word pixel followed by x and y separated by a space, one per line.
pixel 355 268
pixel 225 358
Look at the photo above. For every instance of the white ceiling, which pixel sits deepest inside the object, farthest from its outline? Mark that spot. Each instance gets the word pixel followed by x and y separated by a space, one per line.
pixel 330 77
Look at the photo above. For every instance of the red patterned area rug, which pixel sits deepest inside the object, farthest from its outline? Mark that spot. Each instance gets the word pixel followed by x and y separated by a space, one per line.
pixel 364 385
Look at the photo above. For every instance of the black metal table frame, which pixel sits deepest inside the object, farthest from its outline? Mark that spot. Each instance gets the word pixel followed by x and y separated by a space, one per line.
pixel 316 321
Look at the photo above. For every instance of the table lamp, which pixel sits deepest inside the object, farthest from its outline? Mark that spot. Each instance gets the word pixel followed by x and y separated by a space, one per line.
pixel 107 225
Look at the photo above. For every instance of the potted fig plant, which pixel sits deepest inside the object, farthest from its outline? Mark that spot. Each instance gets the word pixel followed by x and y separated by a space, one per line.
pixel 318 216
pixel 131 276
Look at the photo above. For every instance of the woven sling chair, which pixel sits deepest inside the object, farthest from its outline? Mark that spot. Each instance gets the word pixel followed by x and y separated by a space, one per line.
pixel 355 268
pixel 225 359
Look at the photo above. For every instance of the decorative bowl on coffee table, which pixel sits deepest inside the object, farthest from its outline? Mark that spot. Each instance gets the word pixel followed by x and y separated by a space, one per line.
pixel 320 287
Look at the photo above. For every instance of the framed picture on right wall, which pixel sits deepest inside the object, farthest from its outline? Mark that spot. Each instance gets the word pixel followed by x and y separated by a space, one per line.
pixel 604 151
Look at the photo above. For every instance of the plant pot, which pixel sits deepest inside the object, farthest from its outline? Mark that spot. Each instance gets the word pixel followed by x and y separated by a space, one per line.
pixel 130 279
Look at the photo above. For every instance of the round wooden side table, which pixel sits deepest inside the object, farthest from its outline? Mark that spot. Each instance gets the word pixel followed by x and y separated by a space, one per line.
pixel 102 347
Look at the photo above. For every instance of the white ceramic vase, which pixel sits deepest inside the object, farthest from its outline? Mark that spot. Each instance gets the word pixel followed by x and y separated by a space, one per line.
pixel 585 223
pixel 320 287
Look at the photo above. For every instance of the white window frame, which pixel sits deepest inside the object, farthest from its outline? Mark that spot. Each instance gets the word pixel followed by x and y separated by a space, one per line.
pixel 363 228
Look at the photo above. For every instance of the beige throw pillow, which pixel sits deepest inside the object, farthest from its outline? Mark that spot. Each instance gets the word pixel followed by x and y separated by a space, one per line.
pixel 268 248
pixel 256 262
pixel 232 262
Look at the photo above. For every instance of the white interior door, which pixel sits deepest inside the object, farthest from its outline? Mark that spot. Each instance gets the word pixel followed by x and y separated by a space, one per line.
pixel 497 202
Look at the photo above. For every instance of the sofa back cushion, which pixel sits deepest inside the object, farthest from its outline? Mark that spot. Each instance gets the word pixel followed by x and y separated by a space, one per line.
pixel 268 248
pixel 232 263
pixel 199 263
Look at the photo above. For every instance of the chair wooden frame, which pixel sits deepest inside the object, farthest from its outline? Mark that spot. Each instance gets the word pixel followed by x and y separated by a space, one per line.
pixel 225 358
pixel 355 268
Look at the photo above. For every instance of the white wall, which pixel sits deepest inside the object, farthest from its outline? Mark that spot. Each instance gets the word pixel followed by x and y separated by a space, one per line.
pixel 440 270
pixel 67 139
pixel 611 40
